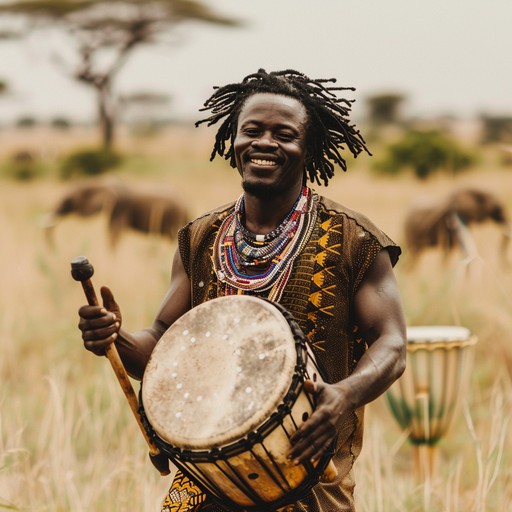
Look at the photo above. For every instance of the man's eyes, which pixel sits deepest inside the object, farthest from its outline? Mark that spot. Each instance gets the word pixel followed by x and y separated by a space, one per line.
pixel 283 136
pixel 251 132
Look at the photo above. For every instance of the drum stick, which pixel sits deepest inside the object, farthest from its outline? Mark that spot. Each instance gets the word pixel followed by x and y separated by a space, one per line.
pixel 82 270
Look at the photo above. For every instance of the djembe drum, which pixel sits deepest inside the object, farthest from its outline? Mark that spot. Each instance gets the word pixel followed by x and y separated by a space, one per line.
pixel 223 393
pixel 426 398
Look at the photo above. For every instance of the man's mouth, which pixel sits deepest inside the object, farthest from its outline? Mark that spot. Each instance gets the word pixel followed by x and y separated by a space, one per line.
pixel 259 161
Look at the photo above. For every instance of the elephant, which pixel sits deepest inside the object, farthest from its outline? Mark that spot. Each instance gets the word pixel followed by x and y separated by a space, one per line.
pixel 146 212
pixel 446 223
pixel 149 212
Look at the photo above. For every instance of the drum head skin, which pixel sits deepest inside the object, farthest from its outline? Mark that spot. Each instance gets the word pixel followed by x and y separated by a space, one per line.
pixel 218 372
pixel 432 337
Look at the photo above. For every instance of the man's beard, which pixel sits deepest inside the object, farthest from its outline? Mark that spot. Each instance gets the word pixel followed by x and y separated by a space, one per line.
pixel 261 190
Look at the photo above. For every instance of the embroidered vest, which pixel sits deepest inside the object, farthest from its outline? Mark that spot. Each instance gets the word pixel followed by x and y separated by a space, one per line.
pixel 319 294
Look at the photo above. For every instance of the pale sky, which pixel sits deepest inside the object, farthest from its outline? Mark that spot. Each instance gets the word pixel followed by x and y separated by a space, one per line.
pixel 446 56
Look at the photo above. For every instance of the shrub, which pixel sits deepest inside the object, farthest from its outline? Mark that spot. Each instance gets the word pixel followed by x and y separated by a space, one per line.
pixel 61 123
pixel 89 162
pixel 22 166
pixel 424 152
pixel 26 122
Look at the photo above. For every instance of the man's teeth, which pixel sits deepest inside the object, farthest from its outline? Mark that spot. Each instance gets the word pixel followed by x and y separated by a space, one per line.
pixel 262 162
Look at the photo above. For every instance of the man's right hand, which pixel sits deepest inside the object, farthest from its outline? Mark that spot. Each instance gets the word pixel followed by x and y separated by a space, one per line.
pixel 100 324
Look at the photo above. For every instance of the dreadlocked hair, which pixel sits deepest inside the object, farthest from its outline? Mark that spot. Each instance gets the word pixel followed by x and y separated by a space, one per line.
pixel 329 129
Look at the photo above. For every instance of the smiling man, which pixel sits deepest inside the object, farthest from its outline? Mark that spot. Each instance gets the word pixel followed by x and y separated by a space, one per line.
pixel 329 266
pixel 270 146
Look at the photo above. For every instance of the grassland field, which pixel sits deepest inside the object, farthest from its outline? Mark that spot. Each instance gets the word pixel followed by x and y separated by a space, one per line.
pixel 67 438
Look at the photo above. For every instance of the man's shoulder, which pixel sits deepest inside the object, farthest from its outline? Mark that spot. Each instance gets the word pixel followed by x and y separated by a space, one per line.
pixel 334 208
pixel 200 226
pixel 358 226
pixel 211 215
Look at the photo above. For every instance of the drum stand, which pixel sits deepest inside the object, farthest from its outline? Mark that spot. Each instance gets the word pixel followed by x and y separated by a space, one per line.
pixel 425 452
pixel 426 455
pixel 425 468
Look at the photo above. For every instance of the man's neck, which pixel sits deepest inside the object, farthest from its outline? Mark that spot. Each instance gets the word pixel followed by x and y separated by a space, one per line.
pixel 262 215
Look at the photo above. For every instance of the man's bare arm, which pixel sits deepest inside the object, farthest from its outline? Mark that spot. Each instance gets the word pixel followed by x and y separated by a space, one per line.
pixel 381 322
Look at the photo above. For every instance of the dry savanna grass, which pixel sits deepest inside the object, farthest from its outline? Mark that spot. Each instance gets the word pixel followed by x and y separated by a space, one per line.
pixel 67 438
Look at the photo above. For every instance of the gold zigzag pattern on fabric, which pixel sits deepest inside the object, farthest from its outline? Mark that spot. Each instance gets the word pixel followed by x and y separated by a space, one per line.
pixel 320 258
pixel 183 495
pixel 322 279
pixel 326 226
pixel 333 249
pixel 319 345
pixel 317 298
pixel 324 240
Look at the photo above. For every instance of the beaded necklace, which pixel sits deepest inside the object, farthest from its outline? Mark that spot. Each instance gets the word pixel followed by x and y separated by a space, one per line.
pixel 237 249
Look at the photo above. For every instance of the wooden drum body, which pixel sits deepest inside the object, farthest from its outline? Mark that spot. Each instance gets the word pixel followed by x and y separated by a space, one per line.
pixel 223 393
pixel 425 399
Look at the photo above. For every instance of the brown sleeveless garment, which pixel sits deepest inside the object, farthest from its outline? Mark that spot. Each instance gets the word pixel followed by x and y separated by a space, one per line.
pixel 319 294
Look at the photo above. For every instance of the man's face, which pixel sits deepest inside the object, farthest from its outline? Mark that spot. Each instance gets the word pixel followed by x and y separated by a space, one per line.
pixel 270 144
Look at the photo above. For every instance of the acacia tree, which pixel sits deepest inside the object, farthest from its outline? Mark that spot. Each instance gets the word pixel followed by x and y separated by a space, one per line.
pixel 141 108
pixel 384 108
pixel 106 33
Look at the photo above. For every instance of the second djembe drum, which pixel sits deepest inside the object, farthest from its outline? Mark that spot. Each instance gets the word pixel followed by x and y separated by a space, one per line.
pixel 425 400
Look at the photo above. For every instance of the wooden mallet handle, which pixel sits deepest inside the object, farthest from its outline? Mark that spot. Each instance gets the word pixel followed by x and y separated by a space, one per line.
pixel 82 270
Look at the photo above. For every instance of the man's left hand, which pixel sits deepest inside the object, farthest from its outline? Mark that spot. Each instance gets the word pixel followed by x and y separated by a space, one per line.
pixel 315 436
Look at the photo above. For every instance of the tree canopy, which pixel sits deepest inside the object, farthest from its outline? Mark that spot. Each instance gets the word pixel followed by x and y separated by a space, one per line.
pixel 106 33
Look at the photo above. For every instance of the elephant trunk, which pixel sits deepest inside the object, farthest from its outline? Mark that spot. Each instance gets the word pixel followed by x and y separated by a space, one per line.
pixel 507 230
pixel 48 223
pixel 505 241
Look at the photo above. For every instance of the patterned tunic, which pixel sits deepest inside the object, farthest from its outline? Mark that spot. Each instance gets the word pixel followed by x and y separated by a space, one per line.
pixel 320 295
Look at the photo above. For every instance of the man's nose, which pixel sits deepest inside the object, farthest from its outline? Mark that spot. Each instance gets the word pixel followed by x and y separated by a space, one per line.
pixel 265 141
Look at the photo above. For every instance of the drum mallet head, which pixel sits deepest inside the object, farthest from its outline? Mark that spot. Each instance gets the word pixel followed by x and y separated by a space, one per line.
pixel 81 269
